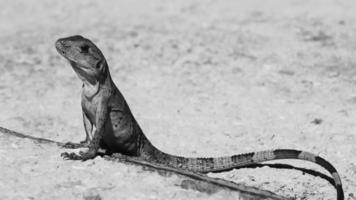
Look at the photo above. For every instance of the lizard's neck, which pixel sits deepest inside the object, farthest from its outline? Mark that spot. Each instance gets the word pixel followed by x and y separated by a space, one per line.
pixel 90 89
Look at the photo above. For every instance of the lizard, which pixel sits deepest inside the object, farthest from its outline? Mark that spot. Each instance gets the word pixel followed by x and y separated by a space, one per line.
pixel 110 124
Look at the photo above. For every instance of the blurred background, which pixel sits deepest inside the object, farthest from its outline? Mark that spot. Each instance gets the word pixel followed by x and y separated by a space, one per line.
pixel 203 78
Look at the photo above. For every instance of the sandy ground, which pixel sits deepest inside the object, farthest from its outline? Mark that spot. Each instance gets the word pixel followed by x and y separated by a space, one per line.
pixel 203 78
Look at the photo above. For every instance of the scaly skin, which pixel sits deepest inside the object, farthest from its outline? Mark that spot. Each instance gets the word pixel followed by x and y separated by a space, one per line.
pixel 117 130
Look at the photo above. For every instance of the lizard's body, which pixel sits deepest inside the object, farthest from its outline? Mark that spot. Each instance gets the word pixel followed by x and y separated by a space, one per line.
pixel 105 108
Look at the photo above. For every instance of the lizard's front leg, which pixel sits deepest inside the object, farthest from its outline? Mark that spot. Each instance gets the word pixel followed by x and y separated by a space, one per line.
pixel 88 126
pixel 102 116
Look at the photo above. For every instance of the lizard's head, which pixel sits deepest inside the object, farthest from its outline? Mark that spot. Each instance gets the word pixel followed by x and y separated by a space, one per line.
pixel 86 58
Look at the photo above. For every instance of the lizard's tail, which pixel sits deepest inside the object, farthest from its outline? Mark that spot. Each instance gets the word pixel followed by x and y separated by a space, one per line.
pixel 218 164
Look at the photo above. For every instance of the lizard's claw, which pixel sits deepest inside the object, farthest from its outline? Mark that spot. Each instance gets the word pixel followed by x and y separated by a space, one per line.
pixel 71 156
pixel 82 155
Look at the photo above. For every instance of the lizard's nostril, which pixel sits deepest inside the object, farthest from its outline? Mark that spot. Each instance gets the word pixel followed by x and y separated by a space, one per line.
pixel 60 44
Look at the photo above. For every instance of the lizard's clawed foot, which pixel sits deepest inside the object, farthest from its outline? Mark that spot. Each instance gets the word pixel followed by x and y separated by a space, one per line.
pixel 70 156
pixel 82 155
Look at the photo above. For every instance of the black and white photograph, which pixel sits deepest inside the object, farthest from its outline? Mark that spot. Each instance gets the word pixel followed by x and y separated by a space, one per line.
pixel 179 99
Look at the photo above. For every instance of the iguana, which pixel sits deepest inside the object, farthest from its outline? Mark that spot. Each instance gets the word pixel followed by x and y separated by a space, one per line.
pixel 116 129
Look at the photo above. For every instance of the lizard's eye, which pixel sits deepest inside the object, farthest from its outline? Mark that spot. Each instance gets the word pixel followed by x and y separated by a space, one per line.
pixel 84 49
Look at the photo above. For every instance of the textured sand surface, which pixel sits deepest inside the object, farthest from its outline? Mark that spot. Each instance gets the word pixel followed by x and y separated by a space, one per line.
pixel 203 78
